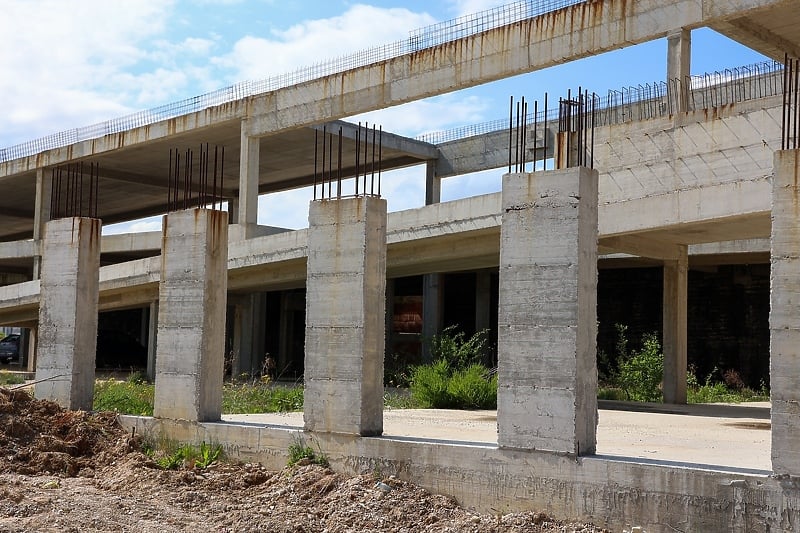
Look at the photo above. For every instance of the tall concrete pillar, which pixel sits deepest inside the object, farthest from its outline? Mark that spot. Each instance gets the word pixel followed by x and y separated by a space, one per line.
pixel 247 203
pixel 68 312
pixel 784 315
pixel 152 340
pixel 345 310
pixel 41 215
pixel 433 184
pixel 547 326
pixel 675 303
pixel 679 68
pixel 432 284
pixel 432 303
pixel 191 315
pixel 483 300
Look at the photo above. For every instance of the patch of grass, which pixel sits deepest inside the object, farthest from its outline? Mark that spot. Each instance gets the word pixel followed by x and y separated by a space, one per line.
pixel 611 393
pixel 8 378
pixel 258 397
pixel 400 400
pixel 126 397
pixel 170 455
pixel 300 452
pixel 719 392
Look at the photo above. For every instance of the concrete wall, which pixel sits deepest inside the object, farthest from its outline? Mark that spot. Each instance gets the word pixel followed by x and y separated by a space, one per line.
pixel 614 493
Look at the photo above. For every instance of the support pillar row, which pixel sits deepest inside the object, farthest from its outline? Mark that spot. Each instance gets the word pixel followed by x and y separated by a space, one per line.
pixel 67 340
pixel 345 313
pixel 547 327
pixel 191 315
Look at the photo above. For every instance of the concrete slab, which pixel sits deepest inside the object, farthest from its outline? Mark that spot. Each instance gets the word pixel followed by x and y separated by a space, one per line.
pixel 715 437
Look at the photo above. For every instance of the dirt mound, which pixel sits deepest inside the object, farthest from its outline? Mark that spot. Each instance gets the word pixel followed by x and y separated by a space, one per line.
pixel 76 471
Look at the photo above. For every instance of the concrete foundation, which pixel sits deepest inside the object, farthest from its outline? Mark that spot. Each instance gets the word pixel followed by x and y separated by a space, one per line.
pixel 67 330
pixel 784 316
pixel 547 372
pixel 345 313
pixel 191 315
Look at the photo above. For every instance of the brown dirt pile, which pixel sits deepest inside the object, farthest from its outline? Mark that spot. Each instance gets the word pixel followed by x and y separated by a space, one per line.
pixel 75 471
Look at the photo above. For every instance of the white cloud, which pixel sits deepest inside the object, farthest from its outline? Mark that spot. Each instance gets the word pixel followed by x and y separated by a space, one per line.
pixel 315 41
pixel 467 7
pixel 134 226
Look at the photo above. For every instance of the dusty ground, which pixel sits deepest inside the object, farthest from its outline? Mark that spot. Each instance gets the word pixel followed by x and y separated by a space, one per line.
pixel 74 471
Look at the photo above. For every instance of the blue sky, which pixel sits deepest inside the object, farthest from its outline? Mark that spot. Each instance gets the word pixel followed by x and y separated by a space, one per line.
pixel 71 63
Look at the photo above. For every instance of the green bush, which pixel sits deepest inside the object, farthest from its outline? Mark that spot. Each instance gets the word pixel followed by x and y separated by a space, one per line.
pixel 472 388
pixel 8 378
pixel 456 350
pixel 429 384
pixel 641 373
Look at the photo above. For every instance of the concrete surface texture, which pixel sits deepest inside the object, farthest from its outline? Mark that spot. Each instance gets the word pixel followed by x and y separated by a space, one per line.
pixel 191 317
pixel 345 310
pixel 784 312
pixel 68 312
pixel 547 373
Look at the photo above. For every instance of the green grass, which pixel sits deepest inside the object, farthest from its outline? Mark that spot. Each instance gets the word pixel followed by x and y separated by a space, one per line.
pixel 171 455
pixel 298 450
pixel 720 393
pixel 7 378
pixel 135 397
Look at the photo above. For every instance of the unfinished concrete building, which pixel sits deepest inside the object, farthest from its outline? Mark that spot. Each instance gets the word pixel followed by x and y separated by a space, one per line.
pixel 705 173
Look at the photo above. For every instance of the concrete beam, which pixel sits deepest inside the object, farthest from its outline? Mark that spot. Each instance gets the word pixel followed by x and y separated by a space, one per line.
pixel 640 246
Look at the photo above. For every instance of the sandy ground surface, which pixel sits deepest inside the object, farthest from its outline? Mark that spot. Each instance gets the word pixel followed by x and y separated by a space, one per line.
pixel 723 437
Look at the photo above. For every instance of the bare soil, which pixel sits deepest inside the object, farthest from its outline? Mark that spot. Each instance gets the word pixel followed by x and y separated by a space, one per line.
pixel 76 471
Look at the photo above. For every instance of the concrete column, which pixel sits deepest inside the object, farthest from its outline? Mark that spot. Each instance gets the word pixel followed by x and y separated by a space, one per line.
pixel 675 303
pixel 433 184
pixel 679 68
pixel 345 308
pixel 41 215
pixel 547 327
pixel 191 317
pixel 784 316
pixel 247 216
pixel 68 312
pixel 33 341
pixel 431 283
pixel 432 301
pixel 152 340
pixel 483 300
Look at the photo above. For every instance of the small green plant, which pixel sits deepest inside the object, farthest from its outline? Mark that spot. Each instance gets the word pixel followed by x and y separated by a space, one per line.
pixel 733 390
pixel 8 378
pixel 641 373
pixel 429 384
pixel 170 455
pixel 473 388
pixel 300 452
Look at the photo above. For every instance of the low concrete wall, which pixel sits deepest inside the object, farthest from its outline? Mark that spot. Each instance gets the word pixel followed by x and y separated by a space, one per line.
pixel 613 493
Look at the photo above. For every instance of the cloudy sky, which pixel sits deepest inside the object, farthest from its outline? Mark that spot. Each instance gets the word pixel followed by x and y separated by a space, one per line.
pixel 72 63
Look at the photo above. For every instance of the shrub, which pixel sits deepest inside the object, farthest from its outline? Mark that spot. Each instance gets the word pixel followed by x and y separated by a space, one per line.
pixel 429 384
pixel 458 352
pixel 640 375
pixel 472 388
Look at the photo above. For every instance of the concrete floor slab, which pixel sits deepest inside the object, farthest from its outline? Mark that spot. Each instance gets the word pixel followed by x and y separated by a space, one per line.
pixel 716 437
